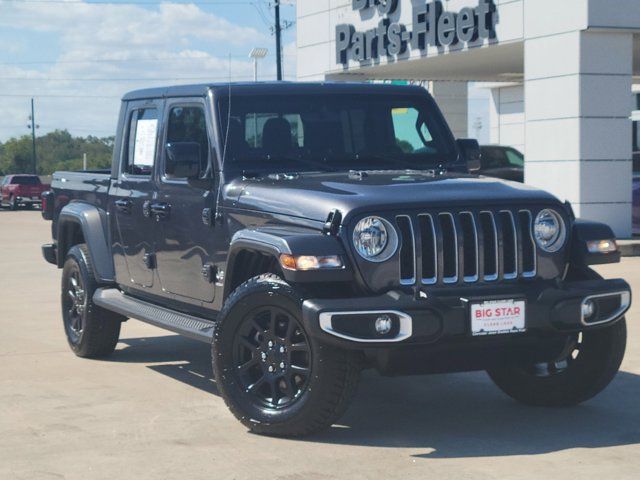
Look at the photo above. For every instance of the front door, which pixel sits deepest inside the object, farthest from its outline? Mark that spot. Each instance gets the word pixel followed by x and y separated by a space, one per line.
pixel 186 248
pixel 132 193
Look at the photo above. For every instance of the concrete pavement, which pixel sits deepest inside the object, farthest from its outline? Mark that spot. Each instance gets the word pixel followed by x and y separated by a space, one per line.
pixel 152 411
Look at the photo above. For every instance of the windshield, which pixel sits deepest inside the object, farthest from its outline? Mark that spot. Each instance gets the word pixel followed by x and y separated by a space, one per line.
pixel 25 180
pixel 501 157
pixel 279 133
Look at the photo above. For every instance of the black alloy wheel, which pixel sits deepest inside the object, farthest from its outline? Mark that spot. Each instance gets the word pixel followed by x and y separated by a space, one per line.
pixel 74 303
pixel 565 359
pixel 272 357
pixel 588 363
pixel 91 331
pixel 274 375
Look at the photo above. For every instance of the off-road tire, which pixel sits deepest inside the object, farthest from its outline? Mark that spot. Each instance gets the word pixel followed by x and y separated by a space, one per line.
pixel 596 365
pixel 100 328
pixel 334 373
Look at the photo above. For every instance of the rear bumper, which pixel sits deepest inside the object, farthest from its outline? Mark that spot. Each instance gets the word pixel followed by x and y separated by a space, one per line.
pixel 29 200
pixel 436 318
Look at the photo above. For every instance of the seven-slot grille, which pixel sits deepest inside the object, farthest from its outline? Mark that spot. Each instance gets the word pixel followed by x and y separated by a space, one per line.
pixel 445 248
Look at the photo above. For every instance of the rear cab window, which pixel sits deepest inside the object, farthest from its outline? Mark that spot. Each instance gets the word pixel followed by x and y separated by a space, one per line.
pixel 26 180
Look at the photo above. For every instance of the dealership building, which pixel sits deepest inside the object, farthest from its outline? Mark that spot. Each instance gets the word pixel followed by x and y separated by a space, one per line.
pixel 564 77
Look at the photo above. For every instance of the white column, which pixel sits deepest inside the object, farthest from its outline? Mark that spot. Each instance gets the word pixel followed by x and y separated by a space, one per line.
pixel 494 116
pixel 577 85
pixel 453 100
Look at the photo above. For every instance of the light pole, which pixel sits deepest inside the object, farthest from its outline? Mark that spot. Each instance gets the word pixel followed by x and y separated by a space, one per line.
pixel 257 54
pixel 278 41
pixel 33 127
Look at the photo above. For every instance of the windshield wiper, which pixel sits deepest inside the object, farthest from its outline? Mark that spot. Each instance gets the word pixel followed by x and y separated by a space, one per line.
pixel 392 163
pixel 304 161
pixel 247 174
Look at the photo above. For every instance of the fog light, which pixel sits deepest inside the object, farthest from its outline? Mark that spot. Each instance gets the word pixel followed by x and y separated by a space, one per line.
pixel 383 324
pixel 588 309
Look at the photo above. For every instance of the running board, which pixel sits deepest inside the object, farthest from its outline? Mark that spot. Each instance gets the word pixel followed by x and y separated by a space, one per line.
pixel 193 327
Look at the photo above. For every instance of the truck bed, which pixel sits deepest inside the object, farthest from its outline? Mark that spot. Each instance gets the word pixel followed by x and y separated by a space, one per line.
pixel 91 186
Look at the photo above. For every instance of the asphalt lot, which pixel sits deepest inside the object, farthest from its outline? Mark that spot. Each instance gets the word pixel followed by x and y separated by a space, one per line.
pixel 152 411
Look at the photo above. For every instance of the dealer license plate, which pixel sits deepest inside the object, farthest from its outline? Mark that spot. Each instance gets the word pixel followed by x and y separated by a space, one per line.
pixel 494 317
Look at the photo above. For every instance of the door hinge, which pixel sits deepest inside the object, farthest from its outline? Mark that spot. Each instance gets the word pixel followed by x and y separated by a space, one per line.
pixel 210 272
pixel 332 225
pixel 210 217
pixel 150 260
pixel 146 209
pixel 207 217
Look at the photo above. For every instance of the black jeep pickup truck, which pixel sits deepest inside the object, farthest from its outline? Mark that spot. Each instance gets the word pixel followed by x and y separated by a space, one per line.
pixel 308 231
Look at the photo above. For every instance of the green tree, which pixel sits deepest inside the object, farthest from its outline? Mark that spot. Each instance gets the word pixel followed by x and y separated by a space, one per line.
pixel 57 150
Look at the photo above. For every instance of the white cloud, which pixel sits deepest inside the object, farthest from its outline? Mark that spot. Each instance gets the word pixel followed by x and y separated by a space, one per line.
pixel 168 44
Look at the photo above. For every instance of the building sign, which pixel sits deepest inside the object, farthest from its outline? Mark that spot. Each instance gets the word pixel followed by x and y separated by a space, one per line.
pixel 432 25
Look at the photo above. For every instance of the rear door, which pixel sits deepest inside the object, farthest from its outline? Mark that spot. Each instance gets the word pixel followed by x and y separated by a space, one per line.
pixel 187 240
pixel 133 191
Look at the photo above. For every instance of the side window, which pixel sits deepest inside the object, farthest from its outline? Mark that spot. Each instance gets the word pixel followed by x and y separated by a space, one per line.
pixel 493 157
pixel 187 142
pixel 410 135
pixel 514 158
pixel 142 140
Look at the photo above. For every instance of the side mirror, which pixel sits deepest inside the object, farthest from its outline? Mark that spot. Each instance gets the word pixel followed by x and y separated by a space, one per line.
pixel 183 160
pixel 470 153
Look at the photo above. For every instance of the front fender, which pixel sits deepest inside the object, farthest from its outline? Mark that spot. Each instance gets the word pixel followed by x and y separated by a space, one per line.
pixel 91 222
pixel 585 231
pixel 275 241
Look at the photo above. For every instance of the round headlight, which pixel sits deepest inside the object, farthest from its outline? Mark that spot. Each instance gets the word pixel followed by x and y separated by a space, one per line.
pixel 375 239
pixel 549 231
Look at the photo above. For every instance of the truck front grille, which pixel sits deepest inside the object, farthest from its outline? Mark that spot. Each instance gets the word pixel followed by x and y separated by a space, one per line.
pixel 447 248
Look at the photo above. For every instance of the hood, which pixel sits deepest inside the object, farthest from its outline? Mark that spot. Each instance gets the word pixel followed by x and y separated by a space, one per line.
pixel 314 195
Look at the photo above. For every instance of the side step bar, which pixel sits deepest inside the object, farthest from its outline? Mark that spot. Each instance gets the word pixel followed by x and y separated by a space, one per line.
pixel 193 327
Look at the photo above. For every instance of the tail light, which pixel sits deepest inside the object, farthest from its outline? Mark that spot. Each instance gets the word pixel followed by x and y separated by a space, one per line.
pixel 47 205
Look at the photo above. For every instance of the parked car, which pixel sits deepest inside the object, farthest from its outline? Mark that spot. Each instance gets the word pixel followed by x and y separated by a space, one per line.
pixel 21 191
pixel 502 162
pixel 635 126
pixel 308 231
pixel 636 194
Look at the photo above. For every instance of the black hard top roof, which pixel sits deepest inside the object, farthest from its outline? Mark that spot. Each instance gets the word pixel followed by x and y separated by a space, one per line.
pixel 262 88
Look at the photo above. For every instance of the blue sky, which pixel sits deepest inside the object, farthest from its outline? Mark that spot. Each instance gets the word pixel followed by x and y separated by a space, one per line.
pixel 78 57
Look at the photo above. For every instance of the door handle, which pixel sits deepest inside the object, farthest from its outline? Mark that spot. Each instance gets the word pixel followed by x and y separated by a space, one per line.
pixel 160 210
pixel 124 205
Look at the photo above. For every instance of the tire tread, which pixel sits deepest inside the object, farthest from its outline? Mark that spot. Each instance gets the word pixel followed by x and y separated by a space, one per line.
pixel 102 328
pixel 342 368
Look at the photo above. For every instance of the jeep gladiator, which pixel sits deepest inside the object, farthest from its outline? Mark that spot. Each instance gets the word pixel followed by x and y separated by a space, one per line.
pixel 309 231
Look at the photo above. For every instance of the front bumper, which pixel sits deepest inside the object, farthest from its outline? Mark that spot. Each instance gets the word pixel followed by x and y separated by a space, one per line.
pixel 436 317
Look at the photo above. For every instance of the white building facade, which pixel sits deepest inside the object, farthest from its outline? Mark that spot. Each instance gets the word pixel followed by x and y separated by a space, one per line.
pixel 563 75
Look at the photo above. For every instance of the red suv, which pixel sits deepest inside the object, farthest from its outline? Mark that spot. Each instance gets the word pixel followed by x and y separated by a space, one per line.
pixel 21 190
